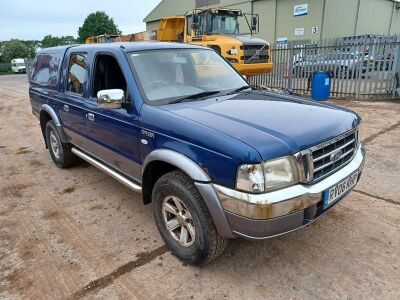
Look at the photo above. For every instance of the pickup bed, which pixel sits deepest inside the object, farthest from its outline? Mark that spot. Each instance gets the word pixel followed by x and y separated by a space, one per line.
pixel 216 158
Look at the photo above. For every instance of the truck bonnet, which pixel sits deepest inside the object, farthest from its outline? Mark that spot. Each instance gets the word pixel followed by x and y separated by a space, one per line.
pixel 273 127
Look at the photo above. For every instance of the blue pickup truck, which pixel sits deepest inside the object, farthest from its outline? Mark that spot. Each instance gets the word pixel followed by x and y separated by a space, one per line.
pixel 215 157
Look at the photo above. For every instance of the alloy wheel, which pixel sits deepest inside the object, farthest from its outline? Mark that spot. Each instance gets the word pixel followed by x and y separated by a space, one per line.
pixel 55 148
pixel 178 221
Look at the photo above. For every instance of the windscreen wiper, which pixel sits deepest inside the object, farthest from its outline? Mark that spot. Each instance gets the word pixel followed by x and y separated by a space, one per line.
pixel 245 87
pixel 194 96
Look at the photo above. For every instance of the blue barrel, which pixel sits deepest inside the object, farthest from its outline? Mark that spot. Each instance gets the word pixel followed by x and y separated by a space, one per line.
pixel 320 86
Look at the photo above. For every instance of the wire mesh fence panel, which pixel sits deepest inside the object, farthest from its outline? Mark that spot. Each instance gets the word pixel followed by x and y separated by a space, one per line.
pixel 361 68
pixel 5 67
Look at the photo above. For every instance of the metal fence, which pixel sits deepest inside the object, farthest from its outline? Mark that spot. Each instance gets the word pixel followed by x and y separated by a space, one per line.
pixel 5 66
pixel 362 68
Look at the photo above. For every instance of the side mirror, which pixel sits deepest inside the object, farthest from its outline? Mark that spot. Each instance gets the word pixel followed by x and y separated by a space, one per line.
pixel 195 22
pixel 254 23
pixel 111 99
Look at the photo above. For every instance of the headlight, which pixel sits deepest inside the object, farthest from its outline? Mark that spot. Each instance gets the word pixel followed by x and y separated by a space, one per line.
pixel 280 173
pixel 250 178
pixel 233 51
pixel 268 176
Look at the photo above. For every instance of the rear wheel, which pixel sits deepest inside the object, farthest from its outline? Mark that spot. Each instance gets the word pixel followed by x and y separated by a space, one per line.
pixel 184 221
pixel 60 153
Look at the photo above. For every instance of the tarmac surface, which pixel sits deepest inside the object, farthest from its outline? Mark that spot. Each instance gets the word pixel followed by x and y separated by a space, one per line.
pixel 79 234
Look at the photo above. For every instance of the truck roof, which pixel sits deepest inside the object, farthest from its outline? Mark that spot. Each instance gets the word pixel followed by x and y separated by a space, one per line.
pixel 125 46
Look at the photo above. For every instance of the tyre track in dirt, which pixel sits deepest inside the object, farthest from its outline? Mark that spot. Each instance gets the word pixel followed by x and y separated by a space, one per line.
pixel 68 230
pixel 351 252
pixel 14 189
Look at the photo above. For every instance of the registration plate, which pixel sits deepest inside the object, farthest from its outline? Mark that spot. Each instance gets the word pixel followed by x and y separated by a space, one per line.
pixel 332 194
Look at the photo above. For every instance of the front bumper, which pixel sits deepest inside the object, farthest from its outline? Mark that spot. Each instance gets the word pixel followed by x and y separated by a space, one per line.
pixel 270 214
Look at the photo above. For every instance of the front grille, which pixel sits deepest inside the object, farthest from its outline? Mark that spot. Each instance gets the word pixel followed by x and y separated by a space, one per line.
pixel 322 160
pixel 251 56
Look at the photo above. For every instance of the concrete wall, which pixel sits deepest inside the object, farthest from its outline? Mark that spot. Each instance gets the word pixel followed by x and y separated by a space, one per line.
pixel 266 10
pixel 396 22
pixel 287 23
pixel 374 16
pixel 339 23
pixel 152 25
pixel 169 8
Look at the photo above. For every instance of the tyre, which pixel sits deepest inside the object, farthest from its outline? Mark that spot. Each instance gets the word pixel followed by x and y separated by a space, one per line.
pixel 60 153
pixel 183 220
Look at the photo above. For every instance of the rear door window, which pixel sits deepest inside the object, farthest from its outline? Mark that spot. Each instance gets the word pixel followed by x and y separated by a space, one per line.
pixel 77 73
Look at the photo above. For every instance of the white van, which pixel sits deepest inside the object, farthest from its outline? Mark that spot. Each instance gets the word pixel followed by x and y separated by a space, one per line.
pixel 18 65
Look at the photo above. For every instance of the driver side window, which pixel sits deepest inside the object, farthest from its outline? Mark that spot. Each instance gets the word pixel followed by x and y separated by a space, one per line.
pixel 108 75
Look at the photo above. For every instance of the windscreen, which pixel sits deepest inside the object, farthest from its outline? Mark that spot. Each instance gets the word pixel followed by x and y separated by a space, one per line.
pixel 165 75
pixel 225 24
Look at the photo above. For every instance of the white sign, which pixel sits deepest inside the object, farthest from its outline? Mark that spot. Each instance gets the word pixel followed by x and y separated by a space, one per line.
pixel 315 29
pixel 282 41
pixel 300 10
pixel 299 31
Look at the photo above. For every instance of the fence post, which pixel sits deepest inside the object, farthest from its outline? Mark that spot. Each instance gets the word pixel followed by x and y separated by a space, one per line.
pixel 290 68
pixel 396 70
pixel 359 57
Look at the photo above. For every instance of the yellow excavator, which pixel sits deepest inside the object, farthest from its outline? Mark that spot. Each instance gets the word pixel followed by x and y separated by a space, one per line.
pixel 228 31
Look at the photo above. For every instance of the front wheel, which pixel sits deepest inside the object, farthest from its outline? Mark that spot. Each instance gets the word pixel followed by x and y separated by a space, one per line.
pixel 183 220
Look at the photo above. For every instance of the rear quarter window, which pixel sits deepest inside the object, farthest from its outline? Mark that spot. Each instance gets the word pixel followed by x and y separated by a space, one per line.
pixel 45 69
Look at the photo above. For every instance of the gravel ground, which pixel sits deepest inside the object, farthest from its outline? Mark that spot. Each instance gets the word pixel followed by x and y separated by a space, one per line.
pixel 77 233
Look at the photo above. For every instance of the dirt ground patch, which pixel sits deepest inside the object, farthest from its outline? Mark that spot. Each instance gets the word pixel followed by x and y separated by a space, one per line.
pixel 77 233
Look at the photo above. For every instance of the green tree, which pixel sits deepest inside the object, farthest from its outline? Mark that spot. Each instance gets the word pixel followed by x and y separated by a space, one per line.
pixel 52 41
pixel 32 46
pixel 96 24
pixel 14 49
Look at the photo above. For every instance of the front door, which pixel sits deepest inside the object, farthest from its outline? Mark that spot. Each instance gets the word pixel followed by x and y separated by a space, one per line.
pixel 112 133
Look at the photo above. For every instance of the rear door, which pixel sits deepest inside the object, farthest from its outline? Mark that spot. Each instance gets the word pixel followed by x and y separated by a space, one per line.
pixel 71 100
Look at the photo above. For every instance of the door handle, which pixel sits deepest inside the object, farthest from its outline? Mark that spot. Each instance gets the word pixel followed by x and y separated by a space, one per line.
pixel 66 107
pixel 90 116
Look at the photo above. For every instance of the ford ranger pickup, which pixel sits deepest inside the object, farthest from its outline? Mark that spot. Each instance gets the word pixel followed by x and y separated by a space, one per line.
pixel 216 158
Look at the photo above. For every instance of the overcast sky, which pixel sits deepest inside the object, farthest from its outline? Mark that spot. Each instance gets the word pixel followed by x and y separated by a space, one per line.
pixel 33 19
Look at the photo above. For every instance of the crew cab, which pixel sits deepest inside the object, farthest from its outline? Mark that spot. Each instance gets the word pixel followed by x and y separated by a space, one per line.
pixel 215 157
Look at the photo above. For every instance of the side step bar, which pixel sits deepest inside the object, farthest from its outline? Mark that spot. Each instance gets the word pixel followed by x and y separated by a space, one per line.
pixel 125 181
